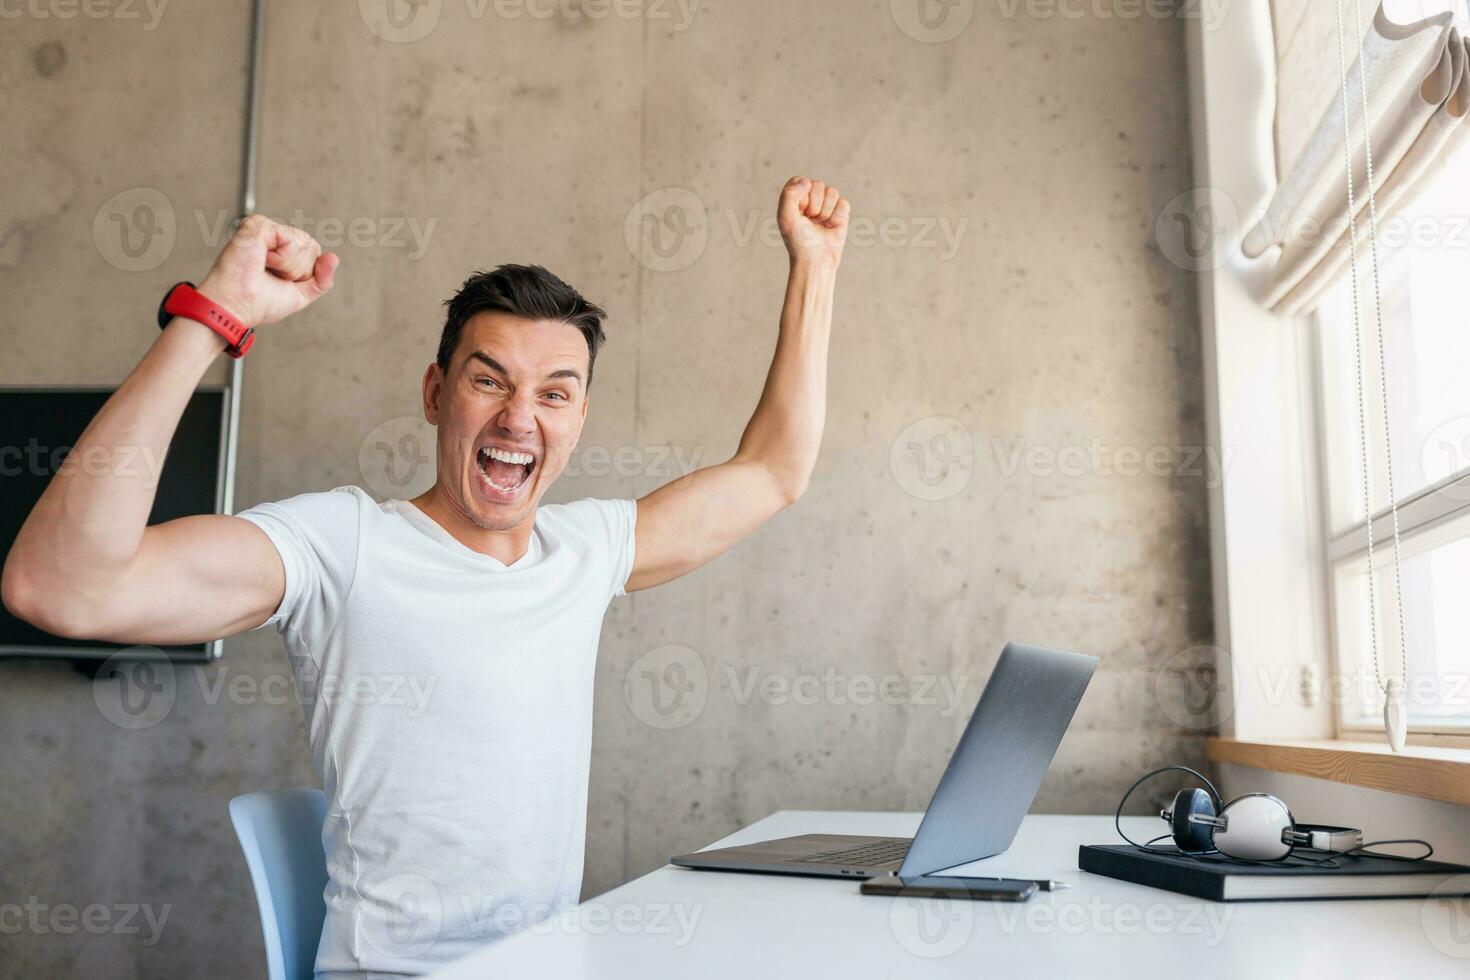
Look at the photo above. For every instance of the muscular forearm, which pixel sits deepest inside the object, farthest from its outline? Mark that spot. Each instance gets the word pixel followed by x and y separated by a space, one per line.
pixel 785 432
pixel 89 523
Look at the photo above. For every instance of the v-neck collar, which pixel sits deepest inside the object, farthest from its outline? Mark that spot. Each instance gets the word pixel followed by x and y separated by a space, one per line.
pixel 431 528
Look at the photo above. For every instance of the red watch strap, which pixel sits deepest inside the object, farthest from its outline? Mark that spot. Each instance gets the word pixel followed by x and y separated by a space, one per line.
pixel 186 301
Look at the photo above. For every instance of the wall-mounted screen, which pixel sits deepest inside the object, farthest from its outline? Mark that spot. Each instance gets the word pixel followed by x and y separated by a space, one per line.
pixel 39 426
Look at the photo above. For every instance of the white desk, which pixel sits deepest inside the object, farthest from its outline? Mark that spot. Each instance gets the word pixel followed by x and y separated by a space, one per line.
pixel 680 923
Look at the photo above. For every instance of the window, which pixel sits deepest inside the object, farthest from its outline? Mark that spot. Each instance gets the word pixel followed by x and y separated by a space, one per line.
pixel 1424 268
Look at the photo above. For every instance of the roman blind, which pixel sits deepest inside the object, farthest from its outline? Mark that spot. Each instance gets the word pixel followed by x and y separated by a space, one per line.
pixel 1418 92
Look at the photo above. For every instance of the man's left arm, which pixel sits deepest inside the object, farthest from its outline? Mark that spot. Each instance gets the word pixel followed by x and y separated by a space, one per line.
pixel 688 522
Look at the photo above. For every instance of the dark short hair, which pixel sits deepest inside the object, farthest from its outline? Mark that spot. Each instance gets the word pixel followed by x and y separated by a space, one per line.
pixel 526 291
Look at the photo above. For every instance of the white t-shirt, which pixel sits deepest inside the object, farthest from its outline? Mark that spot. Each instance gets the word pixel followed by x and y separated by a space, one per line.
pixel 449 705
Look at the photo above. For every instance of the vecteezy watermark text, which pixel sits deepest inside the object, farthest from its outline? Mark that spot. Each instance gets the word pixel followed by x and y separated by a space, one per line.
pixel 137 229
pixel 1211 13
pixel 935 457
pixel 406 21
pixel 668 230
pixel 64 919
pixel 359 231
pixel 836 688
pixel 137 688
pixel 35 459
pixel 148 12
pixel 1097 458
pixel 669 687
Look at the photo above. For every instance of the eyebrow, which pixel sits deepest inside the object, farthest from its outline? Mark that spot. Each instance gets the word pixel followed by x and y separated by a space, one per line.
pixel 495 365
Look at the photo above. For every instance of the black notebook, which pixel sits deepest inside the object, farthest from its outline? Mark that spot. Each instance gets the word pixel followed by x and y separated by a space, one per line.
pixel 1219 880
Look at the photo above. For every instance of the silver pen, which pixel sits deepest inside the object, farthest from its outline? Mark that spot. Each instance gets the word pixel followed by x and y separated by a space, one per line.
pixel 1042 884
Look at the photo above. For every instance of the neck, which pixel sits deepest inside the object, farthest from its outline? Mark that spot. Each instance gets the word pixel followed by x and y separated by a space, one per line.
pixel 506 546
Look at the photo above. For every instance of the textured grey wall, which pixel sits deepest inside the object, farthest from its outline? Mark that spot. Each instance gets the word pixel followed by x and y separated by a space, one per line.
pixel 1002 310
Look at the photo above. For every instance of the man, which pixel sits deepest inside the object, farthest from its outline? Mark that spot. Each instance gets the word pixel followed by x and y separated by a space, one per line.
pixel 466 819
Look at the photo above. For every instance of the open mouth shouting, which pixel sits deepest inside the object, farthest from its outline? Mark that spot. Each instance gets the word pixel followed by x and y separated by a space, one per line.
pixel 503 473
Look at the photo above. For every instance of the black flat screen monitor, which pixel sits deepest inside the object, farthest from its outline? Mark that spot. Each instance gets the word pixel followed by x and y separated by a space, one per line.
pixel 38 427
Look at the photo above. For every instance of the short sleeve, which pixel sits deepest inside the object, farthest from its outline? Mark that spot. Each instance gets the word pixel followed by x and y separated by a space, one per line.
pixel 623 521
pixel 316 535
pixel 607 527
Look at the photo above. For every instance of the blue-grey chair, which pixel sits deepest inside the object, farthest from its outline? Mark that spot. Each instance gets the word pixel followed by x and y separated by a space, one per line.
pixel 281 835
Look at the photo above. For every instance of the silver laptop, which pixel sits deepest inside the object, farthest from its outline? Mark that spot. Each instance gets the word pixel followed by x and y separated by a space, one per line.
pixel 982 797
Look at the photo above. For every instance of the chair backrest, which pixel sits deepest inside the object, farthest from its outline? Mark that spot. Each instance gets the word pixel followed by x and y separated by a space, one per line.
pixel 281 835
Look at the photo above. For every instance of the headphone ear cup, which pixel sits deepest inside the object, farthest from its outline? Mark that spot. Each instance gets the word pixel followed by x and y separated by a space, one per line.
pixel 1192 836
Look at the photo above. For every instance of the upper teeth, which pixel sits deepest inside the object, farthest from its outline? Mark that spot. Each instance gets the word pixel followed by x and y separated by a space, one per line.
pixel 520 459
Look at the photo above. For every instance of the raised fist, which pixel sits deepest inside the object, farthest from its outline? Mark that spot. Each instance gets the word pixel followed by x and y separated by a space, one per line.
pixel 813 220
pixel 267 271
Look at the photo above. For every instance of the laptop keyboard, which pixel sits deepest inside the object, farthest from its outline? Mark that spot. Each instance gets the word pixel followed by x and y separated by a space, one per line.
pixel 864 855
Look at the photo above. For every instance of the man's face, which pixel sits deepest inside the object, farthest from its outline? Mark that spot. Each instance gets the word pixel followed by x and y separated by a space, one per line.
pixel 509 410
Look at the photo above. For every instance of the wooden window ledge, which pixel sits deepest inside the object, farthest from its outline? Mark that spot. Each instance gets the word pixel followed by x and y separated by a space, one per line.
pixel 1432 772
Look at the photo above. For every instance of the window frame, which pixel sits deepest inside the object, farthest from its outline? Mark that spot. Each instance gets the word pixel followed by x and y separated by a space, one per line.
pixel 1268 551
pixel 1419 513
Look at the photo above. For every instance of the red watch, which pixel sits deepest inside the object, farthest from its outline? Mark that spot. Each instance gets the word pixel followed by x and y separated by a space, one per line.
pixel 186 301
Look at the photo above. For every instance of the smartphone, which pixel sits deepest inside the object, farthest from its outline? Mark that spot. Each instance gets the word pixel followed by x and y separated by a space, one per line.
pixel 931 886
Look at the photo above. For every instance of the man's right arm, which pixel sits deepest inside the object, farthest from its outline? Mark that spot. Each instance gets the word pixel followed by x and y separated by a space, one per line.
pixel 85 564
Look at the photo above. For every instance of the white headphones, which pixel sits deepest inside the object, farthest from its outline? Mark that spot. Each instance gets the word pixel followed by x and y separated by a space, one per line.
pixel 1255 827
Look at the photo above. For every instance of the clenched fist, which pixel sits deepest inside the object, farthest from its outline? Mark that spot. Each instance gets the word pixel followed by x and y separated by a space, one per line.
pixel 269 271
pixel 813 220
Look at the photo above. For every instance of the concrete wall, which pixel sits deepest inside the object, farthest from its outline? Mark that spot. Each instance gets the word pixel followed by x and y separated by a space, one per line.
pixel 1003 312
